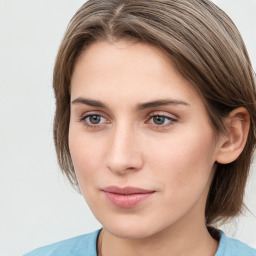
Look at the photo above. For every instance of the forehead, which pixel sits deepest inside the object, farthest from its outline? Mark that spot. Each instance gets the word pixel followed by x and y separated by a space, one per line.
pixel 129 71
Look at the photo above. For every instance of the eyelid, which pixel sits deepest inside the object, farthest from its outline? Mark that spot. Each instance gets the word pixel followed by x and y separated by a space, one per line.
pixel 164 114
pixel 91 113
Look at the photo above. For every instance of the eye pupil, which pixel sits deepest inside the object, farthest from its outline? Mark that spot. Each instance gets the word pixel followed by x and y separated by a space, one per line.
pixel 95 119
pixel 158 120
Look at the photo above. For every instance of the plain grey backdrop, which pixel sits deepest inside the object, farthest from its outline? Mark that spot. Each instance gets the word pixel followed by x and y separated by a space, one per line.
pixel 37 205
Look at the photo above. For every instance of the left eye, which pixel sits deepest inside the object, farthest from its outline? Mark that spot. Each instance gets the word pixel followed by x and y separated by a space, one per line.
pixel 160 120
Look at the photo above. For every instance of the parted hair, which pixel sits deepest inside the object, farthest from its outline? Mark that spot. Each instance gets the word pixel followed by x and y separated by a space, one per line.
pixel 205 47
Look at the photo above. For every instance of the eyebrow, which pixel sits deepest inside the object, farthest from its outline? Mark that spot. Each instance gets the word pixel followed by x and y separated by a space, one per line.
pixel 158 103
pixel 141 106
pixel 89 102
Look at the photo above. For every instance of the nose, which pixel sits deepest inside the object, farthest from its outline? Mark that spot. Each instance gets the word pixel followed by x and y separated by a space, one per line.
pixel 124 154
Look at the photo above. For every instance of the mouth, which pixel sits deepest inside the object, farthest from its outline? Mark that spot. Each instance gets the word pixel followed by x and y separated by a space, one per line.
pixel 127 197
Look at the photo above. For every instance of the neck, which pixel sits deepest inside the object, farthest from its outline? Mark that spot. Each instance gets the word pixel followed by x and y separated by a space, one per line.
pixel 171 243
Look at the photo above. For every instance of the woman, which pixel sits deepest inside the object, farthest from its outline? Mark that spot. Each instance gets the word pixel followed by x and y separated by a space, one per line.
pixel 155 122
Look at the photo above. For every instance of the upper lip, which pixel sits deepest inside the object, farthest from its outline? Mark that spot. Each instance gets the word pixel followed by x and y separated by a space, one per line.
pixel 126 190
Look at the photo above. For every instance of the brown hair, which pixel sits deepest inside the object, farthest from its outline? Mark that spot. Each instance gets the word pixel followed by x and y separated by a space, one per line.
pixel 205 47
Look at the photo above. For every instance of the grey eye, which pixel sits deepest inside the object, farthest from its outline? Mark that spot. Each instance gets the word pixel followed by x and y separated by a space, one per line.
pixel 94 119
pixel 159 120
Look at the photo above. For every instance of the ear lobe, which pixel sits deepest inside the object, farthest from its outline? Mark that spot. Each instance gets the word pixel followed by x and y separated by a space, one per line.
pixel 238 124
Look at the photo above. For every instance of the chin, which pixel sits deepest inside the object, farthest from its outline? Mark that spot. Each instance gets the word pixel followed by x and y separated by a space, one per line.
pixel 129 232
pixel 132 229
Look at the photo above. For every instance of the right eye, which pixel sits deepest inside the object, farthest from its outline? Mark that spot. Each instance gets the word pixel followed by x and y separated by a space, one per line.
pixel 93 120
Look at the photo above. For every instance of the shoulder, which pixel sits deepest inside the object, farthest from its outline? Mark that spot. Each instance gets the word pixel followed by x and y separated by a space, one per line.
pixel 230 246
pixel 78 246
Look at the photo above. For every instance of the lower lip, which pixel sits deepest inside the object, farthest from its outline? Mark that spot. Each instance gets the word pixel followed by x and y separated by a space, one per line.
pixel 127 201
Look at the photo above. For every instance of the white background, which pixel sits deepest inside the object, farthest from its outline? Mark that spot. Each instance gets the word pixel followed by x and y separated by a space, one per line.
pixel 37 205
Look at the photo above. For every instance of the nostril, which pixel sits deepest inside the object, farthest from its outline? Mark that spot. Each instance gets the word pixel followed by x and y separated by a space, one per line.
pixel 124 165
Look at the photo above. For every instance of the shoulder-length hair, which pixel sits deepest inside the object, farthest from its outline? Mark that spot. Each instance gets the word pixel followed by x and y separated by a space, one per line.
pixel 205 47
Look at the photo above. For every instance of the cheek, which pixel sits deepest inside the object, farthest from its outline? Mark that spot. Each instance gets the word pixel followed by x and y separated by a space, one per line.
pixel 184 159
pixel 87 154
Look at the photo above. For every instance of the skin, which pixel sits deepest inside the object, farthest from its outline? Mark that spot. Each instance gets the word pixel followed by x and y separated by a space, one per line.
pixel 128 147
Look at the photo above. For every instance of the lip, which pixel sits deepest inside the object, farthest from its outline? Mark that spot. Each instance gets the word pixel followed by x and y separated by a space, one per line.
pixel 126 197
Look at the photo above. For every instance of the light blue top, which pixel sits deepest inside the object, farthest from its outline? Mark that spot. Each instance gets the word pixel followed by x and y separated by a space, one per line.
pixel 85 245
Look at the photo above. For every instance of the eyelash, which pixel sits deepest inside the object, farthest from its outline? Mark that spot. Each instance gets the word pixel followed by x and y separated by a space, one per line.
pixel 171 120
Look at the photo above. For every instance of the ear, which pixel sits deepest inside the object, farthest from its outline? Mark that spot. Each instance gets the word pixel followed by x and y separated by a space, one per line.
pixel 232 144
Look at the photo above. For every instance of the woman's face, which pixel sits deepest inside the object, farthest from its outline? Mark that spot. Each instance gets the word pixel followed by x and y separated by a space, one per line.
pixel 141 143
